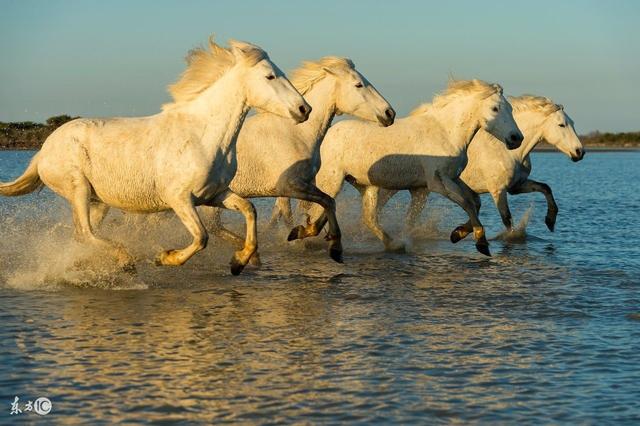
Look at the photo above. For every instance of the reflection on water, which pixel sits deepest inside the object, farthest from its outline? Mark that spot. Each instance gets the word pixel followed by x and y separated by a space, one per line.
pixel 546 329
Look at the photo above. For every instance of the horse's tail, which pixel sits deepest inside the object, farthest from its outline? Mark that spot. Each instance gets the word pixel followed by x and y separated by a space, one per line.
pixel 28 182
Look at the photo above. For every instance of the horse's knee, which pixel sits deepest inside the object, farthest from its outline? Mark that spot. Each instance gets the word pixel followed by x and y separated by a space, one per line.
pixel 545 188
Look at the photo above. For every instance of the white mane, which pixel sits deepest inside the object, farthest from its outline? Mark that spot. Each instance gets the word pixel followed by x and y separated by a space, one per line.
pixel 206 66
pixel 457 88
pixel 534 103
pixel 312 72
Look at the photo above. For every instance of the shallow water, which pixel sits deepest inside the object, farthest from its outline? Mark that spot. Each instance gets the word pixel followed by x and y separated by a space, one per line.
pixel 545 331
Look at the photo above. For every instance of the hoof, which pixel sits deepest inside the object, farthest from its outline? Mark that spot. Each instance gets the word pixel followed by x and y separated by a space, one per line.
pixel 395 248
pixel 296 233
pixel 458 234
pixel 550 222
pixel 236 266
pixel 483 247
pixel 336 254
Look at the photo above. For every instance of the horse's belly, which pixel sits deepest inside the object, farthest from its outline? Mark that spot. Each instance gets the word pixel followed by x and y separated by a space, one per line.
pixel 397 172
pixel 126 194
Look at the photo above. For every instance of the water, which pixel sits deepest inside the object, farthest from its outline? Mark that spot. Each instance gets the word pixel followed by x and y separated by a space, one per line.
pixel 545 331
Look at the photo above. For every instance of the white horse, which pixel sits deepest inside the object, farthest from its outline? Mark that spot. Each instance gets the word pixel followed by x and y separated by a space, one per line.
pixel 177 159
pixel 427 149
pixel 277 158
pixel 495 170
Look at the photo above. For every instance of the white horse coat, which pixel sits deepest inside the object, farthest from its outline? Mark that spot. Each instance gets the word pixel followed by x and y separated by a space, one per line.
pixel 277 158
pixel 425 150
pixel 177 159
pixel 496 170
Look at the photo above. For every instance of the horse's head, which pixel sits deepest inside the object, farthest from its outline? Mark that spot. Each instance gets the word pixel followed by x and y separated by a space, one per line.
pixel 267 88
pixel 355 95
pixel 558 130
pixel 497 119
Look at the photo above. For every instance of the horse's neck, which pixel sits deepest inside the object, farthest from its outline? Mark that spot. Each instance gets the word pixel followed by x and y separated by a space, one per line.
pixel 530 126
pixel 220 110
pixel 459 122
pixel 322 99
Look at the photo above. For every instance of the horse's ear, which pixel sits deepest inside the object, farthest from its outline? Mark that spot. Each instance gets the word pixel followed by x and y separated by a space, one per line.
pixel 498 88
pixel 561 107
pixel 238 49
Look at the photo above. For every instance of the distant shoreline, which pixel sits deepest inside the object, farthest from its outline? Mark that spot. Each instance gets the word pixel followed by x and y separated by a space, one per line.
pixel 29 136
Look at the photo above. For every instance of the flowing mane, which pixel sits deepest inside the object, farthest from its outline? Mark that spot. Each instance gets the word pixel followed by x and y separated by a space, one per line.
pixel 206 66
pixel 312 72
pixel 457 88
pixel 534 103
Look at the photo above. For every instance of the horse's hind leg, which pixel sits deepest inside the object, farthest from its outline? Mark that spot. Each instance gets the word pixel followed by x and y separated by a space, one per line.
pixel 370 210
pixel 186 212
pixel 79 199
pixel 230 200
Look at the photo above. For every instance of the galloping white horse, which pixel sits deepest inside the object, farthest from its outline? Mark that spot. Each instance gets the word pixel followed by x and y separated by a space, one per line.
pixel 495 170
pixel 177 159
pixel 278 158
pixel 427 149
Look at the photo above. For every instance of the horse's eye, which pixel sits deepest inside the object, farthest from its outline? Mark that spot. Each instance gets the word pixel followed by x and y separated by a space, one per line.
pixel 495 109
pixel 271 77
pixel 562 125
pixel 359 85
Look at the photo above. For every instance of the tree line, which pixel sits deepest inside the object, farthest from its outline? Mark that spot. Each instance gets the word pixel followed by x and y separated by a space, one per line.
pixel 31 135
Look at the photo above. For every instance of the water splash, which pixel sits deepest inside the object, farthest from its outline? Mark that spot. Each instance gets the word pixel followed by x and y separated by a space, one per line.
pixel 518 233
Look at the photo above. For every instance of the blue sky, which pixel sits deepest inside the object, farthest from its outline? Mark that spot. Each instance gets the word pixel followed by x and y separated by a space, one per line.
pixel 107 58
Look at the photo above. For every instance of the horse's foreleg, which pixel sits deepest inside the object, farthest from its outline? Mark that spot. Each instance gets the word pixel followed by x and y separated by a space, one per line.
pixel 232 201
pixel 217 228
pixel 552 208
pixel 418 201
pixel 309 192
pixel 501 202
pixel 328 182
pixel 453 190
pixel 80 204
pixel 186 212
pixel 370 211
pixel 466 228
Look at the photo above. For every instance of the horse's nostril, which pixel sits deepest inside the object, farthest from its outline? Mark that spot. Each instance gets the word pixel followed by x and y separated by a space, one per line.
pixel 516 138
pixel 302 109
pixel 389 113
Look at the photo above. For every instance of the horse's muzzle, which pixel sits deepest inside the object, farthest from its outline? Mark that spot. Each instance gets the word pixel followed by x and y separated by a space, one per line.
pixel 514 141
pixel 303 113
pixel 388 118
pixel 578 155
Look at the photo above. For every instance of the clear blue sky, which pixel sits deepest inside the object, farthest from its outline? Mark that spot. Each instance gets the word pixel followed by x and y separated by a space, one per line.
pixel 104 58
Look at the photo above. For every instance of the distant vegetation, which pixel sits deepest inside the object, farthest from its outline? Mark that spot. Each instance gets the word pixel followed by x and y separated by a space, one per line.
pixel 622 140
pixel 27 134
pixel 30 135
